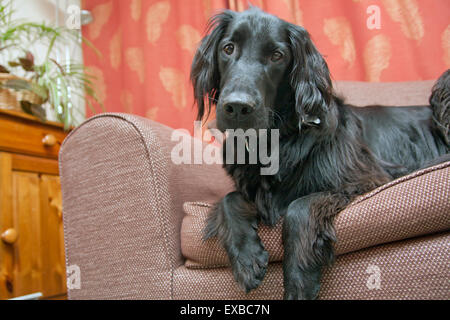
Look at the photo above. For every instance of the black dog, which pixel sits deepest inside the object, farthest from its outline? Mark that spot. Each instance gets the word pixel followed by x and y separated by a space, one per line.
pixel 262 72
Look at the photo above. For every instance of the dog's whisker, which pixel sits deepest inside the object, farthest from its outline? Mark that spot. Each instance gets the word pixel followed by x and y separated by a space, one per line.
pixel 208 97
pixel 275 113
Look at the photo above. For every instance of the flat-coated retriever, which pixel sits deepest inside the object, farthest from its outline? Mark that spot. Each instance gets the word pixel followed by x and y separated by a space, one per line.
pixel 259 71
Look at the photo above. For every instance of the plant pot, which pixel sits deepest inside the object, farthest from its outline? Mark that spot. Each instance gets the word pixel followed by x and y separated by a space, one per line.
pixel 10 98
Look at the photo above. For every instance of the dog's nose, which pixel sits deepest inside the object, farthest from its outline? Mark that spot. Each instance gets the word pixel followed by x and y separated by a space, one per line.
pixel 239 106
pixel 238 109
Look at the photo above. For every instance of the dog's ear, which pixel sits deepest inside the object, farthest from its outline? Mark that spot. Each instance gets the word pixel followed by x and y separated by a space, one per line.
pixel 440 104
pixel 205 75
pixel 310 80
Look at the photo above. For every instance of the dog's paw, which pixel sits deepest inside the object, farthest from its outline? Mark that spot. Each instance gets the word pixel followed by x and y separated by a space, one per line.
pixel 300 285
pixel 250 266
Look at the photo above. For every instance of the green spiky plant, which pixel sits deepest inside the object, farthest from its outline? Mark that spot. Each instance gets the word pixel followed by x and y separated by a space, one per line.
pixel 53 82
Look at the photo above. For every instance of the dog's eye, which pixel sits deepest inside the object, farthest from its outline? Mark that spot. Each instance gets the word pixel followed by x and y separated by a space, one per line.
pixel 276 56
pixel 229 49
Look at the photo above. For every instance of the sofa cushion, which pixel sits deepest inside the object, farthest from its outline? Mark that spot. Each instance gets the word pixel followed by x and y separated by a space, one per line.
pixel 417 268
pixel 410 206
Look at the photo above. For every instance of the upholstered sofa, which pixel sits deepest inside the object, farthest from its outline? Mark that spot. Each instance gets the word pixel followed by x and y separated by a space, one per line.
pixel 133 219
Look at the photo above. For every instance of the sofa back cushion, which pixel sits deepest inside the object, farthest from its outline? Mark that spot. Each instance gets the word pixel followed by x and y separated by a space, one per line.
pixel 413 93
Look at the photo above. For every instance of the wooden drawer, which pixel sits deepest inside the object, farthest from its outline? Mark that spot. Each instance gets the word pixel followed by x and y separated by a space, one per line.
pixel 27 136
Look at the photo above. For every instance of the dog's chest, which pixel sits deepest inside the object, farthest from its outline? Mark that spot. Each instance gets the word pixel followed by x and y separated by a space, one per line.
pixel 271 194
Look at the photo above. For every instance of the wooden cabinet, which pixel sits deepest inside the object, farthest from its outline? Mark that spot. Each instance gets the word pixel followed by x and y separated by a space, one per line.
pixel 31 230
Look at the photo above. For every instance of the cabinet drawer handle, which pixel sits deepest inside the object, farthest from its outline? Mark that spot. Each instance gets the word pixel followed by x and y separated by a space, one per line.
pixel 49 140
pixel 9 236
pixel 57 205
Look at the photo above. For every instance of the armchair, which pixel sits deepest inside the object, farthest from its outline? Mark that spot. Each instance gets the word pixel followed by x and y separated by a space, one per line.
pixel 133 219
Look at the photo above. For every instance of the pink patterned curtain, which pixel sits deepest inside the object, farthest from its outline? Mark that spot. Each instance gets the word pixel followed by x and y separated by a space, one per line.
pixel 147 45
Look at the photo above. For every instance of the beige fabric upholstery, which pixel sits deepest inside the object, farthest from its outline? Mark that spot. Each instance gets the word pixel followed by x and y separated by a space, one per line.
pixel 411 206
pixel 122 211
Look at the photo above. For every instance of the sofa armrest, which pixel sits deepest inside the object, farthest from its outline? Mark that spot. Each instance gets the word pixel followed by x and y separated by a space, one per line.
pixel 122 204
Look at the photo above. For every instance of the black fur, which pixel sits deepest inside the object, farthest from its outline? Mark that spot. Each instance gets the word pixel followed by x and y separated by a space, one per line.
pixel 329 152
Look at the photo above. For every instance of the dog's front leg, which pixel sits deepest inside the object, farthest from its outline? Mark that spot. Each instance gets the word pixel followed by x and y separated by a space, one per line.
pixel 234 222
pixel 308 237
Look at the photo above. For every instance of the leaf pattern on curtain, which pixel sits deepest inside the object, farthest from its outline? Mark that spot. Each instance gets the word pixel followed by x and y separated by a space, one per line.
pixel 339 32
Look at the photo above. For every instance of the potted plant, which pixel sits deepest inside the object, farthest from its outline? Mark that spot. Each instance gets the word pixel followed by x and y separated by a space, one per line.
pixel 46 81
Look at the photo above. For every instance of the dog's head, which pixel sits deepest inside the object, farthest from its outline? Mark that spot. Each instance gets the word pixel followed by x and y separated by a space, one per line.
pixel 260 72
